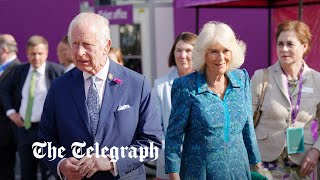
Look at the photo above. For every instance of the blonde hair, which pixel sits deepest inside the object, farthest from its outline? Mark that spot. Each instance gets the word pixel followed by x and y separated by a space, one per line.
pixel 218 33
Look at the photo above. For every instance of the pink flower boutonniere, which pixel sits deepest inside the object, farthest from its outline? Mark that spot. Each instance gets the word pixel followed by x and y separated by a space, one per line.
pixel 117 80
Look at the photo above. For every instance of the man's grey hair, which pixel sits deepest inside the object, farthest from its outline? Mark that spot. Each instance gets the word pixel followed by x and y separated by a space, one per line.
pixel 217 33
pixel 97 20
pixel 7 41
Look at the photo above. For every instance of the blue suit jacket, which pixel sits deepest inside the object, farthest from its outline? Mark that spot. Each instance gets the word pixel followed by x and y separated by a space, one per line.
pixel 65 118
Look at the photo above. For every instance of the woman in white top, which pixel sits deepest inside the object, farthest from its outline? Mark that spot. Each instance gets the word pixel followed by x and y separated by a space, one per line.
pixel 180 59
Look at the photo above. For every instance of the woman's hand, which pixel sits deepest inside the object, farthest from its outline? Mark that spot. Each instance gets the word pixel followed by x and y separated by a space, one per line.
pixel 174 176
pixel 258 167
pixel 309 162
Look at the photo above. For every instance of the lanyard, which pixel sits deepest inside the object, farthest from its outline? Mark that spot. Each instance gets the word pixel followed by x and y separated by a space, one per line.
pixel 295 108
pixel 2 68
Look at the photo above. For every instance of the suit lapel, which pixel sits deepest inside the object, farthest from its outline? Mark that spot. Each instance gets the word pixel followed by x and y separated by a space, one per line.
pixel 24 74
pixel 111 93
pixel 47 74
pixel 279 77
pixel 78 95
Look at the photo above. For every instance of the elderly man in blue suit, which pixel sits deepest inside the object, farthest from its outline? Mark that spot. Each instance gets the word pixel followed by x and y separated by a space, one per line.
pixel 99 102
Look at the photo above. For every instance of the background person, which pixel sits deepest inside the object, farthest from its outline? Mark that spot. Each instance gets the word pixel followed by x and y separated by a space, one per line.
pixel 291 100
pixel 115 54
pixel 108 104
pixel 23 94
pixel 180 59
pixel 8 143
pixel 64 54
pixel 211 112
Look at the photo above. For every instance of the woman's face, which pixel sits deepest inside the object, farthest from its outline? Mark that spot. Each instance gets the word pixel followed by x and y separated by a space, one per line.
pixel 182 55
pixel 289 48
pixel 218 58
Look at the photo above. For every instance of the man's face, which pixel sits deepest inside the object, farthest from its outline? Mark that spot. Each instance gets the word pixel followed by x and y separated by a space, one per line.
pixel 37 55
pixel 64 53
pixel 89 55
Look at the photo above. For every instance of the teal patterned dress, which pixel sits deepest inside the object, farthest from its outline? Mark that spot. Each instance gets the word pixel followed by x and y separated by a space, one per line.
pixel 217 136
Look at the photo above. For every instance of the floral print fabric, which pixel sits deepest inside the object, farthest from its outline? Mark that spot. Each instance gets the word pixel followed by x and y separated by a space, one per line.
pixel 217 136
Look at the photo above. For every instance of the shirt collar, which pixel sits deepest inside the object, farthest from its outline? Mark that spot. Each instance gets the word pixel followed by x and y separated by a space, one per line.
pixel 71 66
pixel 41 70
pixel 202 85
pixel 102 74
pixel 9 60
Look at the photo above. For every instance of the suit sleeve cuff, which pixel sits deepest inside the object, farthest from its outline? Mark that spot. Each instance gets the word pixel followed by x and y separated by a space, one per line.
pixel 58 172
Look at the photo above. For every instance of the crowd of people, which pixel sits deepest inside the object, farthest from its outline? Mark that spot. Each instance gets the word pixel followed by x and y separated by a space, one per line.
pixel 199 116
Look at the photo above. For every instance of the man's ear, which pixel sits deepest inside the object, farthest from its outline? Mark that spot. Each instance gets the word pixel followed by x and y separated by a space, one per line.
pixel 305 47
pixel 4 49
pixel 107 47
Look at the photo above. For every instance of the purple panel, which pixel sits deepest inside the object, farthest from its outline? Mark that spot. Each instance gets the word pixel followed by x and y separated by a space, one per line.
pixel 188 3
pixel 50 19
pixel 250 25
pixel 184 20
pixel 116 14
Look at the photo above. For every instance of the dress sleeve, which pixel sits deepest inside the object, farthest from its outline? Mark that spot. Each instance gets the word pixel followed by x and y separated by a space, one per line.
pixel 248 131
pixel 178 120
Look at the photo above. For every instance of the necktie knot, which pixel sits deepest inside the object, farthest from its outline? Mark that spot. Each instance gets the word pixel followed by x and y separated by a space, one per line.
pixel 93 79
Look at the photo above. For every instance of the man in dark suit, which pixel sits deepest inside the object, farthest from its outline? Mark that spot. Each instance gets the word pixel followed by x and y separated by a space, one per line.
pixel 107 104
pixel 23 94
pixel 8 144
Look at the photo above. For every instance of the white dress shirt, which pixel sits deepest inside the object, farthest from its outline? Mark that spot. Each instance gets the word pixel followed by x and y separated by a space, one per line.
pixel 40 93
pixel 100 82
pixel 71 66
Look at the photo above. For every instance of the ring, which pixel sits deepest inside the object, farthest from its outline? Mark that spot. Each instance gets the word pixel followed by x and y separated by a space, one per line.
pixel 94 169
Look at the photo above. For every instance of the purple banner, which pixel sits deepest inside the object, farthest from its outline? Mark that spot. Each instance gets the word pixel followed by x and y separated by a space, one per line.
pixel 189 3
pixel 116 14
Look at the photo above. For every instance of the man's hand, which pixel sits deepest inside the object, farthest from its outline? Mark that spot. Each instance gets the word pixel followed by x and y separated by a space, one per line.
pixel 89 166
pixel 16 118
pixel 70 169
pixel 309 162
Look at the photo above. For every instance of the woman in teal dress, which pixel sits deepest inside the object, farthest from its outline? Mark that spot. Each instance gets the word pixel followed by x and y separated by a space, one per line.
pixel 211 116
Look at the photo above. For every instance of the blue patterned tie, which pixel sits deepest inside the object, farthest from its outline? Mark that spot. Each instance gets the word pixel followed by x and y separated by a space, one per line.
pixel 93 106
